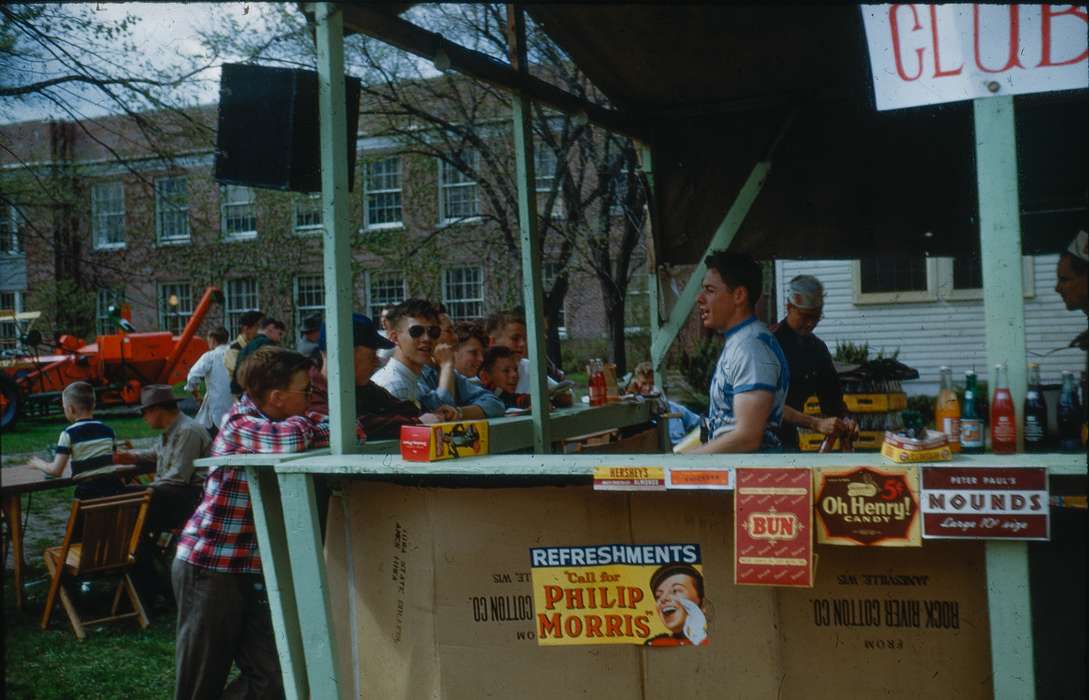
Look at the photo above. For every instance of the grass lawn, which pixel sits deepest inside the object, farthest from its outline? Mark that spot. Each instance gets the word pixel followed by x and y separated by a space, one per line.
pixel 34 435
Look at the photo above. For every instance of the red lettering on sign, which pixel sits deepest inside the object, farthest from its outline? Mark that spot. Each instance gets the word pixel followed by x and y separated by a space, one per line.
pixel 1015 40
pixel 938 72
pixel 1047 13
pixel 895 27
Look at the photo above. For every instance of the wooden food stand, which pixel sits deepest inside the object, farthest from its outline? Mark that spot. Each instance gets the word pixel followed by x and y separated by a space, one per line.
pixel 715 96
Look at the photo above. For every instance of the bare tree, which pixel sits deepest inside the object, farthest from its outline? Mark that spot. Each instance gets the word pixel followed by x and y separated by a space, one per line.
pixel 589 200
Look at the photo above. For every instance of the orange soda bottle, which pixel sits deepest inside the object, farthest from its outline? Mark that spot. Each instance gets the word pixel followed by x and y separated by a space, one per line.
pixel 947 410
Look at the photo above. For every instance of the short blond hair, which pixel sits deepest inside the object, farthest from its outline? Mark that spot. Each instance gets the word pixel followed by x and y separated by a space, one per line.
pixel 80 396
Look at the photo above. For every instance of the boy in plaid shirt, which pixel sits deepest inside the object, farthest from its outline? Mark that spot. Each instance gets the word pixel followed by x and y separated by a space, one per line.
pixel 223 613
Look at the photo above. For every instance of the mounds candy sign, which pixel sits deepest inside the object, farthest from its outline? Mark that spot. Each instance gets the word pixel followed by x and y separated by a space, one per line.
pixel 985 503
pixel 773 527
pixel 868 506
pixel 926 54
pixel 649 595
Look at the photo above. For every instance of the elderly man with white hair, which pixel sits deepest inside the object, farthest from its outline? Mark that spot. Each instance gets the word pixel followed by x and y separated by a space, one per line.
pixel 811 368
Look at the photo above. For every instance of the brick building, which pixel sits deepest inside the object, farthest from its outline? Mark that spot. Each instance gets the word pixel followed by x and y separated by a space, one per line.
pixel 94 216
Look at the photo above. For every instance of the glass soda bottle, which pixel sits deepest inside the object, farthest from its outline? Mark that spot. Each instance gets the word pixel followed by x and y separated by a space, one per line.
pixel 1069 416
pixel 947 410
pixel 971 422
pixel 597 383
pixel 1035 413
pixel 1003 415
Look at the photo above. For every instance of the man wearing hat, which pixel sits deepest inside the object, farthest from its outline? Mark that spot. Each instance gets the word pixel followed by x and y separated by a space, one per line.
pixel 811 368
pixel 177 487
pixel 309 331
pixel 379 414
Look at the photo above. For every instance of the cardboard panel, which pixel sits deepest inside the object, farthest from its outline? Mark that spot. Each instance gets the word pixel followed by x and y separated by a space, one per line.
pixel 890 623
pixel 441 579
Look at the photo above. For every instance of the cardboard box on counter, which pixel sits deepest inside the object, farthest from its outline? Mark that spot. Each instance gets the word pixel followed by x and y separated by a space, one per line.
pixel 429 443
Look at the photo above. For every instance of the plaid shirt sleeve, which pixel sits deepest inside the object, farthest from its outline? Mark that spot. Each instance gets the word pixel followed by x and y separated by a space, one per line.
pixel 220 535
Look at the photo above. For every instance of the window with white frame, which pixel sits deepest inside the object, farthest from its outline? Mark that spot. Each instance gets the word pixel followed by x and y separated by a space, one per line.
pixel 172 209
pixel 241 296
pixel 238 212
pixel 308 212
pixel 11 233
pixel 11 302
pixel 459 195
pixel 175 306
pixel 108 214
pixel 549 272
pixel 104 324
pixel 544 171
pixel 309 298
pixel 891 279
pixel 463 292
pixel 384 288
pixel 382 193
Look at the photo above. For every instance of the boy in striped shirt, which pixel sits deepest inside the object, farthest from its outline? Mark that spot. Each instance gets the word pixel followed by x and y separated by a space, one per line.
pixel 86 444
pixel 223 613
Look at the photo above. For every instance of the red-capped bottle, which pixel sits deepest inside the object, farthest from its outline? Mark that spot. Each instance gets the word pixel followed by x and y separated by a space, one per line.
pixel 597 384
pixel 1003 415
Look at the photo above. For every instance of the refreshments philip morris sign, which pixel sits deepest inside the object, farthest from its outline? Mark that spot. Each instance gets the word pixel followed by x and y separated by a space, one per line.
pixel 928 54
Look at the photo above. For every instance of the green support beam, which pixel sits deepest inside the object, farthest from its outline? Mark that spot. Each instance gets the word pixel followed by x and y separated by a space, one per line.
pixel 533 298
pixel 654 284
pixel 337 238
pixel 268 521
pixel 1000 242
pixel 724 236
pixel 300 513
pixel 1003 306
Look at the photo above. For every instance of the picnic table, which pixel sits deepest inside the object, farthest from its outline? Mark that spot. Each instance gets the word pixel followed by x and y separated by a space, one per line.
pixel 25 479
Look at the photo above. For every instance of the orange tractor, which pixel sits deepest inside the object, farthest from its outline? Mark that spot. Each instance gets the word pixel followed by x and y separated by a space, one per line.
pixel 117 365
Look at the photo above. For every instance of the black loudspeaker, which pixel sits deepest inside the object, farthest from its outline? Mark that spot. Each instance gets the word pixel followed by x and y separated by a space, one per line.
pixel 269 131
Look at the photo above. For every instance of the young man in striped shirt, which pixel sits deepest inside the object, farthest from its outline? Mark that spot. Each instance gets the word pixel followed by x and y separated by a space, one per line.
pixel 86 444
pixel 223 613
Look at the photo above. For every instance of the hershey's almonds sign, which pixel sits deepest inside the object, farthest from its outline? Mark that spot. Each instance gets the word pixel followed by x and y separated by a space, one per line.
pixel 985 503
pixel 868 506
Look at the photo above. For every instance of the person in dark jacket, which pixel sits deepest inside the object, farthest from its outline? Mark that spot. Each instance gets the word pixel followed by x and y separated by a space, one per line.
pixel 269 332
pixel 811 369
pixel 379 414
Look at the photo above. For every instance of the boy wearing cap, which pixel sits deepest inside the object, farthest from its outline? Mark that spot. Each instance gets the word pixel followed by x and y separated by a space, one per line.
pixel 309 332
pixel 379 414
pixel 810 362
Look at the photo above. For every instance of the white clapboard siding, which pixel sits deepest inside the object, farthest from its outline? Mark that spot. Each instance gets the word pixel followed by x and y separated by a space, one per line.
pixel 943 332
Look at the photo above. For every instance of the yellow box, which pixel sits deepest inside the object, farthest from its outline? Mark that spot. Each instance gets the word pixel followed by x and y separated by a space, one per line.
pixel 875 403
pixel 902 456
pixel 866 440
pixel 429 443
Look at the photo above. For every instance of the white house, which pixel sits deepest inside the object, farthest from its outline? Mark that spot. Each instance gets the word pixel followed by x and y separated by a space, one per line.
pixel 931 309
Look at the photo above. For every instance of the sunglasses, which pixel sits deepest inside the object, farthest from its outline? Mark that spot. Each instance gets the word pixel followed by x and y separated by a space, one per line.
pixel 433 332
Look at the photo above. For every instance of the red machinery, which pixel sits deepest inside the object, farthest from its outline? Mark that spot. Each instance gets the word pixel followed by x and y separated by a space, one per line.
pixel 117 365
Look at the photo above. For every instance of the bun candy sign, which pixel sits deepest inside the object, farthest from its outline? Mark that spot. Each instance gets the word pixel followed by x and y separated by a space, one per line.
pixel 928 54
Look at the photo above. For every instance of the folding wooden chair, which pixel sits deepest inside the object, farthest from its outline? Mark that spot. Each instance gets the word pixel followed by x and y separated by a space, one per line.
pixel 107 543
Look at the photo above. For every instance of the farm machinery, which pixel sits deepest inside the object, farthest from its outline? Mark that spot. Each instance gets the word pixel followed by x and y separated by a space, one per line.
pixel 118 365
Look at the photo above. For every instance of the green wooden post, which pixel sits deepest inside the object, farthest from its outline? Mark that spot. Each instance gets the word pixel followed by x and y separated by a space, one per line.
pixel 1010 611
pixel 724 236
pixel 336 244
pixel 312 595
pixel 646 164
pixel 268 521
pixel 1000 241
pixel 530 240
pixel 1003 306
